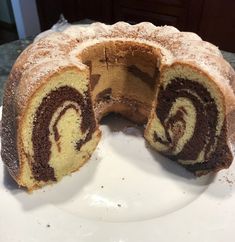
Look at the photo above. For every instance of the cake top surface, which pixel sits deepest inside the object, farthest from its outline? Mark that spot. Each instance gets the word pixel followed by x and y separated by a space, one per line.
pixel 61 49
pixel 175 45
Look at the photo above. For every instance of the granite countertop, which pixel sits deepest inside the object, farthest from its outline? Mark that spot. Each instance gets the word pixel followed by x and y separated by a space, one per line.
pixel 8 54
pixel 10 51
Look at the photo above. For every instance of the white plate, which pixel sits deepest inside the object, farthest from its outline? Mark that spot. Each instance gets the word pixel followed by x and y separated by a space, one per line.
pixel 126 192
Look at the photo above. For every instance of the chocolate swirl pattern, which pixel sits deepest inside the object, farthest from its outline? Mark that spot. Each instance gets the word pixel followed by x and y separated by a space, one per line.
pixel 41 127
pixel 175 102
pixel 59 132
pixel 189 125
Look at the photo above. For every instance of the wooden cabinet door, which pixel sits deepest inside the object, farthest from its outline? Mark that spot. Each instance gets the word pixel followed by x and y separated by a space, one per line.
pixel 217 23
pixel 213 20
pixel 158 12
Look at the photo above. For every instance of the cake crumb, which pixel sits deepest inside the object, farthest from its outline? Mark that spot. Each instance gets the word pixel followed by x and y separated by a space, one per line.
pixel 228 180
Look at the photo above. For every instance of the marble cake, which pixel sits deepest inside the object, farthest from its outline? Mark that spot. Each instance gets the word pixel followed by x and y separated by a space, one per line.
pixel 60 87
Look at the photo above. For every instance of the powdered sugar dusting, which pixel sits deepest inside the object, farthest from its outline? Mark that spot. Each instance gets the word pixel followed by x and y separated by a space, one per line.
pixel 173 45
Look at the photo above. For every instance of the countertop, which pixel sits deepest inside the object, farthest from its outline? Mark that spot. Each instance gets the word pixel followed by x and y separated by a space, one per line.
pixel 10 51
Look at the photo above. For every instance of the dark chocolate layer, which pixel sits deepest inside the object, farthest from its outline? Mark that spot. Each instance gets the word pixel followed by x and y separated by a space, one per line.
pixel 94 78
pixel 104 96
pixel 220 158
pixel 144 76
pixel 177 130
pixel 55 130
pixel 40 136
pixel 206 122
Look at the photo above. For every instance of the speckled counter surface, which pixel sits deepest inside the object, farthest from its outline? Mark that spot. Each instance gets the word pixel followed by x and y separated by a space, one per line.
pixel 10 51
pixel 8 54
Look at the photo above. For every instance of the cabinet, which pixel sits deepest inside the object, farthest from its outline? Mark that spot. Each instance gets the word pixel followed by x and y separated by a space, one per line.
pixel 159 12
pixel 213 20
pixel 217 23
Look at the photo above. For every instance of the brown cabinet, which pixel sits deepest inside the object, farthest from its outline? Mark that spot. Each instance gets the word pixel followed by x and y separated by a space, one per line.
pixel 217 23
pixel 213 20
pixel 171 12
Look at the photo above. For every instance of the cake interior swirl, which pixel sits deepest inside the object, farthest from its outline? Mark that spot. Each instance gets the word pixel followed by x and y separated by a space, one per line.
pixel 54 129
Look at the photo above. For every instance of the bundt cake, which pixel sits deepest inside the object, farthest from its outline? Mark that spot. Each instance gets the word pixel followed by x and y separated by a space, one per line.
pixel 60 87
